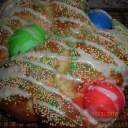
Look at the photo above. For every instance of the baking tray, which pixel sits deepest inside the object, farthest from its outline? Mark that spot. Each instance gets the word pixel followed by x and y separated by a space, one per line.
pixel 7 121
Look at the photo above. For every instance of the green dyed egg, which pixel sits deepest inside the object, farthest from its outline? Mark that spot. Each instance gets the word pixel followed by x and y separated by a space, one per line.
pixel 25 39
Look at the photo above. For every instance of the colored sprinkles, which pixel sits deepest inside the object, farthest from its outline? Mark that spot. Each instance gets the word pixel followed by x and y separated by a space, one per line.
pixel 30 77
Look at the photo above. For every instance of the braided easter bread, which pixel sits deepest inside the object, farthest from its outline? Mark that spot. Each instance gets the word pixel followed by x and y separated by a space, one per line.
pixel 74 72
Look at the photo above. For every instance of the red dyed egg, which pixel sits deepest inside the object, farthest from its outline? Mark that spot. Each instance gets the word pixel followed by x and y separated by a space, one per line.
pixel 103 101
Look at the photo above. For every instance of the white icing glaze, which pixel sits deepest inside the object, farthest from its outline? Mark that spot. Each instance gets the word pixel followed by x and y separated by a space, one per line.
pixel 40 55
pixel 110 80
pixel 87 58
pixel 8 11
pixel 72 39
pixel 50 107
pixel 85 112
pixel 67 77
pixel 38 14
pixel 63 19
pixel 75 30
pixel 103 38
pixel 10 72
pixel 62 44
pixel 122 40
pixel 55 109
pixel 71 8
pixel 115 58
pixel 3 47
pixel 23 22
pixel 76 21
pixel 46 3
pixel 5 27
pixel 121 28
pixel 125 77
pixel 115 35
pixel 6 92
pixel 104 68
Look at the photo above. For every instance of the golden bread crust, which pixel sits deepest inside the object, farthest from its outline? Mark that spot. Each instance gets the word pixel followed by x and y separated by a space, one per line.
pixel 42 83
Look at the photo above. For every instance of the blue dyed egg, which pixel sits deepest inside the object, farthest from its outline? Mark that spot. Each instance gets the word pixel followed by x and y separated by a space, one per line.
pixel 101 19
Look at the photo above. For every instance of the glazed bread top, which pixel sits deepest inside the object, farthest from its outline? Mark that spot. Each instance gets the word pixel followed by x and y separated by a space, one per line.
pixel 74 54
